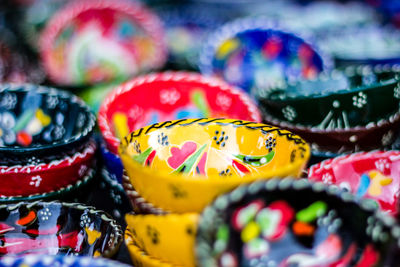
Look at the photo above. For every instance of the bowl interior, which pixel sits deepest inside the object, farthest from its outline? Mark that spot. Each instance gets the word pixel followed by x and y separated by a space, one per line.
pixel 215 149
pixel 254 57
pixel 55 228
pixel 78 48
pixel 288 228
pixel 32 118
pixel 163 100
pixel 373 175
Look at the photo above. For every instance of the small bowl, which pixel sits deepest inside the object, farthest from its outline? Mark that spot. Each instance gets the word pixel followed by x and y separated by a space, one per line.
pixel 279 222
pixel 251 52
pixel 38 122
pixel 372 175
pixel 73 42
pixel 58 228
pixel 60 260
pixel 174 95
pixel 46 177
pixel 336 100
pixel 76 191
pixel 217 155
pixel 374 135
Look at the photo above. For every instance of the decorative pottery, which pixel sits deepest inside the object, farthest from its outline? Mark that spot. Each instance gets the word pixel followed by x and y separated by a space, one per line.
pixel 60 260
pixel 371 175
pixel 167 96
pixel 371 44
pixel 73 42
pixel 40 178
pixel 40 123
pixel 254 52
pixel 183 165
pixel 75 191
pixel 280 222
pixel 57 228
pixel 340 100
pixel 112 163
pixel 372 136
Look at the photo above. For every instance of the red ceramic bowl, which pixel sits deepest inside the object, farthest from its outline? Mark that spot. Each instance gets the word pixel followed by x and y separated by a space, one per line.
pixel 169 96
pixel 374 175
pixel 41 178
pixel 87 41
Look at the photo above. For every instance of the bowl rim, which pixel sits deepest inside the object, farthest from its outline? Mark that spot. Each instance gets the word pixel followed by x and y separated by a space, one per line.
pixel 249 24
pixel 116 228
pixel 215 180
pixel 88 150
pixel 50 91
pixel 203 247
pixel 142 15
pixel 347 72
pixel 113 142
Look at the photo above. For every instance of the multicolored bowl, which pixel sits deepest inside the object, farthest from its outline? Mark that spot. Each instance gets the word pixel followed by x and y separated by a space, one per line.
pixel 371 175
pixel 182 165
pixel 280 222
pixel 167 96
pixel 39 124
pixel 60 260
pixel 73 42
pixel 254 52
pixel 47 177
pixel 57 228
pixel 339 100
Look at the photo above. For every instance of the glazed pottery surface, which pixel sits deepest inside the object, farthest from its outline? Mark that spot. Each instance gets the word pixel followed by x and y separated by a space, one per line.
pixel 373 175
pixel 57 228
pixel 253 52
pixel 182 165
pixel 54 261
pixel 40 178
pixel 168 96
pixel 280 222
pixel 72 44
pixel 37 121
pixel 340 100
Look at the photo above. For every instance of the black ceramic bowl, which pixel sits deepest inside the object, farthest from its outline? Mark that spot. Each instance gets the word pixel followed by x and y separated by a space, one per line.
pixel 292 223
pixel 40 123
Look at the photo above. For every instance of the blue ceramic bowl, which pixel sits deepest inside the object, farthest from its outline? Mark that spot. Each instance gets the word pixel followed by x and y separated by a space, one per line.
pixel 255 52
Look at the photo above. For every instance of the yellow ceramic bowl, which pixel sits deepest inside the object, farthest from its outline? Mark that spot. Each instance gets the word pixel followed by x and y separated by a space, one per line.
pixel 182 165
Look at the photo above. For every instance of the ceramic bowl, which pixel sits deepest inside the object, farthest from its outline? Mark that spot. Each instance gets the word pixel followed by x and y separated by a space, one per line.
pixel 253 52
pixel 40 123
pixel 280 222
pixel 366 174
pixel 73 42
pixel 46 177
pixel 57 228
pixel 338 100
pixel 60 260
pixel 167 96
pixel 75 191
pixel 217 155
pixel 368 137
pixel 369 44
